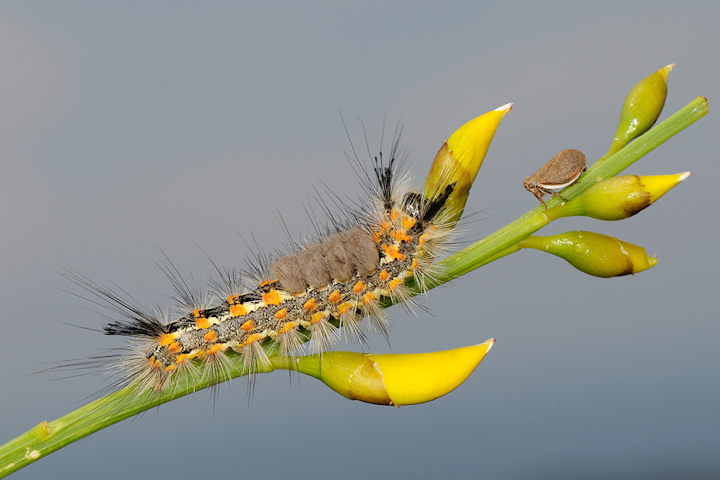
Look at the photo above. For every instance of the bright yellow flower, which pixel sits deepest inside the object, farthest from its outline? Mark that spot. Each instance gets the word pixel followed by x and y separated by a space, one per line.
pixel 460 158
pixel 395 379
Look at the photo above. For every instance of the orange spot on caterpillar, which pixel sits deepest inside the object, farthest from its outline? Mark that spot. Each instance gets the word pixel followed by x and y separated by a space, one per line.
pixel 335 297
pixel 182 358
pixel 170 368
pixel 247 326
pixel 393 253
pixel 384 275
pixel 272 297
pixel 376 237
pixel 414 264
pixel 394 284
pixel 210 336
pixel 201 320
pixel 385 226
pixel 281 314
pixel 286 327
pixel 394 215
pixel 310 305
pixel 237 309
pixel 345 307
pixel 318 317
pixel 214 350
pixel 202 323
pixel 368 298
pixel 408 223
pixel 166 339
pixel 401 236
pixel 157 365
pixel 174 347
pixel 359 287
pixel 251 339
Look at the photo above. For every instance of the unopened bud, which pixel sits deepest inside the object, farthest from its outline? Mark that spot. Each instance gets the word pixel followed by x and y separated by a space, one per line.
pixel 619 197
pixel 641 109
pixel 593 253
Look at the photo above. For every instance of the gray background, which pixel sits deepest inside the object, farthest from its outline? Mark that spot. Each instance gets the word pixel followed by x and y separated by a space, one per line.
pixel 129 126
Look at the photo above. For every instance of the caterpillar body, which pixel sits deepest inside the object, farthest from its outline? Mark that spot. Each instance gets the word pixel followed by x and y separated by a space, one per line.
pixel 322 288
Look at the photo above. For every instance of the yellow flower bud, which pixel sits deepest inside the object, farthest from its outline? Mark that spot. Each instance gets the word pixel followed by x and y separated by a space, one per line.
pixel 641 109
pixel 619 197
pixel 594 253
pixel 394 379
pixel 460 158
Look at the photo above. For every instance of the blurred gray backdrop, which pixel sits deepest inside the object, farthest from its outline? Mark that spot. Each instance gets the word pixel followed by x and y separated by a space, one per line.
pixel 126 127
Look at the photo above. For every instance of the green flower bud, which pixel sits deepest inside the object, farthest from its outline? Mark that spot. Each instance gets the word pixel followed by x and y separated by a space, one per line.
pixel 618 197
pixel 593 253
pixel 641 109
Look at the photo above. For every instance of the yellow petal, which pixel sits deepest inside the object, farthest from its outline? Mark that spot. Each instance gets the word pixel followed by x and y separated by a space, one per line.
pixel 639 259
pixel 659 185
pixel 460 158
pixel 421 377
pixel 470 143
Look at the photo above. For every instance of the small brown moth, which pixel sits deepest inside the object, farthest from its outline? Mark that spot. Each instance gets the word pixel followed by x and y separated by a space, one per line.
pixel 562 170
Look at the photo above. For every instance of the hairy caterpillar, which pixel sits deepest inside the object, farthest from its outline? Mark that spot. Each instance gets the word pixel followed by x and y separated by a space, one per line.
pixel 334 284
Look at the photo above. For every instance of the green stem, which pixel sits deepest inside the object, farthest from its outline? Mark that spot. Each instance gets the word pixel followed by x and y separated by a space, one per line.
pixel 126 402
